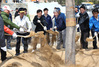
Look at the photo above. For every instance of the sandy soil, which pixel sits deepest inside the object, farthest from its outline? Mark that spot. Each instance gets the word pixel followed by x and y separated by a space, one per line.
pixel 50 57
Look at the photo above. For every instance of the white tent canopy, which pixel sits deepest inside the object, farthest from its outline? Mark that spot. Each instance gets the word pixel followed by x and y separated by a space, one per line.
pixel 33 7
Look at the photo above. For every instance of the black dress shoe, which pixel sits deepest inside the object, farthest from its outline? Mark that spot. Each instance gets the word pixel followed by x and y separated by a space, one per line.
pixel 25 51
pixel 17 54
pixel 95 48
pixel 85 48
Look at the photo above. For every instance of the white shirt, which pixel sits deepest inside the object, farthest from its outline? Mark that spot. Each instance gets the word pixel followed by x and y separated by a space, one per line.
pixel 24 22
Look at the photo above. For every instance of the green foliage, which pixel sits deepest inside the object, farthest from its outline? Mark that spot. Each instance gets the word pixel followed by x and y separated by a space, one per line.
pixel 77 2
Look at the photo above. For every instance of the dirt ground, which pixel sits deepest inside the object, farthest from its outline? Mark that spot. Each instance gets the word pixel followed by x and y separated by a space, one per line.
pixel 50 57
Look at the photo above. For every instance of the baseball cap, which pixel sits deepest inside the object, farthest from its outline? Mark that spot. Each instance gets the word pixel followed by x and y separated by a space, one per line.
pixel 21 10
pixel 56 10
pixel 6 7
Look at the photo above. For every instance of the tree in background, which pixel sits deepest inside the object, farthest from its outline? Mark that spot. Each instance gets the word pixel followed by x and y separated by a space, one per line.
pixel 70 33
pixel 77 2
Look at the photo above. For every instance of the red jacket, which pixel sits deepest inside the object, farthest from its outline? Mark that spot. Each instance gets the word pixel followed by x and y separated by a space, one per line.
pixel 7 30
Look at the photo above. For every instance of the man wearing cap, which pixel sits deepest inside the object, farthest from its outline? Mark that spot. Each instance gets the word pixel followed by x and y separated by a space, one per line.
pixel 2 39
pixel 61 14
pixel 24 22
pixel 61 28
pixel 5 16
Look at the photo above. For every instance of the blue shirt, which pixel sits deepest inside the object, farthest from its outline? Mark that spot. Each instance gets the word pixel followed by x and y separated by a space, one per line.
pixel 49 21
pixel 94 24
pixel 59 22
pixel 62 15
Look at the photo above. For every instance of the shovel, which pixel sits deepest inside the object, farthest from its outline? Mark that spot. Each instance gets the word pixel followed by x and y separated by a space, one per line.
pixel 17 35
pixel 41 24
pixel 10 53
pixel 90 39
pixel 78 35
pixel 32 33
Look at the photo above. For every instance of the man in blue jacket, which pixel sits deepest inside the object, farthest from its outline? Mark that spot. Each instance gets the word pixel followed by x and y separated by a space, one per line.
pixel 61 14
pixel 94 26
pixel 47 18
pixel 60 25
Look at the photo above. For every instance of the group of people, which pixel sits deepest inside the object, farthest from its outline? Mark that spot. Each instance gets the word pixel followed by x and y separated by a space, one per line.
pixel 22 26
pixel 86 24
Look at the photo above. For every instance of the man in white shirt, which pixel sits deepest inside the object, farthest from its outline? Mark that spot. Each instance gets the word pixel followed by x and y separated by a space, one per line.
pixel 23 22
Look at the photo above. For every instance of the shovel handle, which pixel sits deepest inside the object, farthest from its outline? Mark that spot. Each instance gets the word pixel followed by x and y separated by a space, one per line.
pixel 10 53
pixel 94 36
pixel 41 24
pixel 17 35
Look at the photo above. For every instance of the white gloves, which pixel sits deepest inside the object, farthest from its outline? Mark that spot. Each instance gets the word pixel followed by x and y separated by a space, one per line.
pixel 14 29
pixel 51 29
pixel 55 27
pixel 95 34
pixel 77 25
pixel 21 30
pixel 14 35
pixel 77 15
pixel 4 48
pixel 38 21
pixel 45 28
pixel 33 50
pixel 28 30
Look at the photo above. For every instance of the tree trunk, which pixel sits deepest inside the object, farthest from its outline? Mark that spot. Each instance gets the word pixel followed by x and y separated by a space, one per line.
pixel 70 33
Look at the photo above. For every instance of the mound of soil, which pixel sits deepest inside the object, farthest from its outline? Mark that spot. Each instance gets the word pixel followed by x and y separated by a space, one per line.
pixel 44 57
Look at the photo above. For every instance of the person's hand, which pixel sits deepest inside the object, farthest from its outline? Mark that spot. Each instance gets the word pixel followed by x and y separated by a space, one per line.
pixel 4 48
pixel 14 35
pixel 55 27
pixel 77 26
pixel 51 29
pixel 45 28
pixel 95 34
pixel 28 30
pixel 21 30
pixel 33 51
pixel 38 21
pixel 14 29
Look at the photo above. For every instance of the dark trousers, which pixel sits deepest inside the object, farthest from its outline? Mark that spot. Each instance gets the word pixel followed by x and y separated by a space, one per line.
pixel 84 43
pixel 3 55
pixel 95 40
pixel 25 42
pixel 8 41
